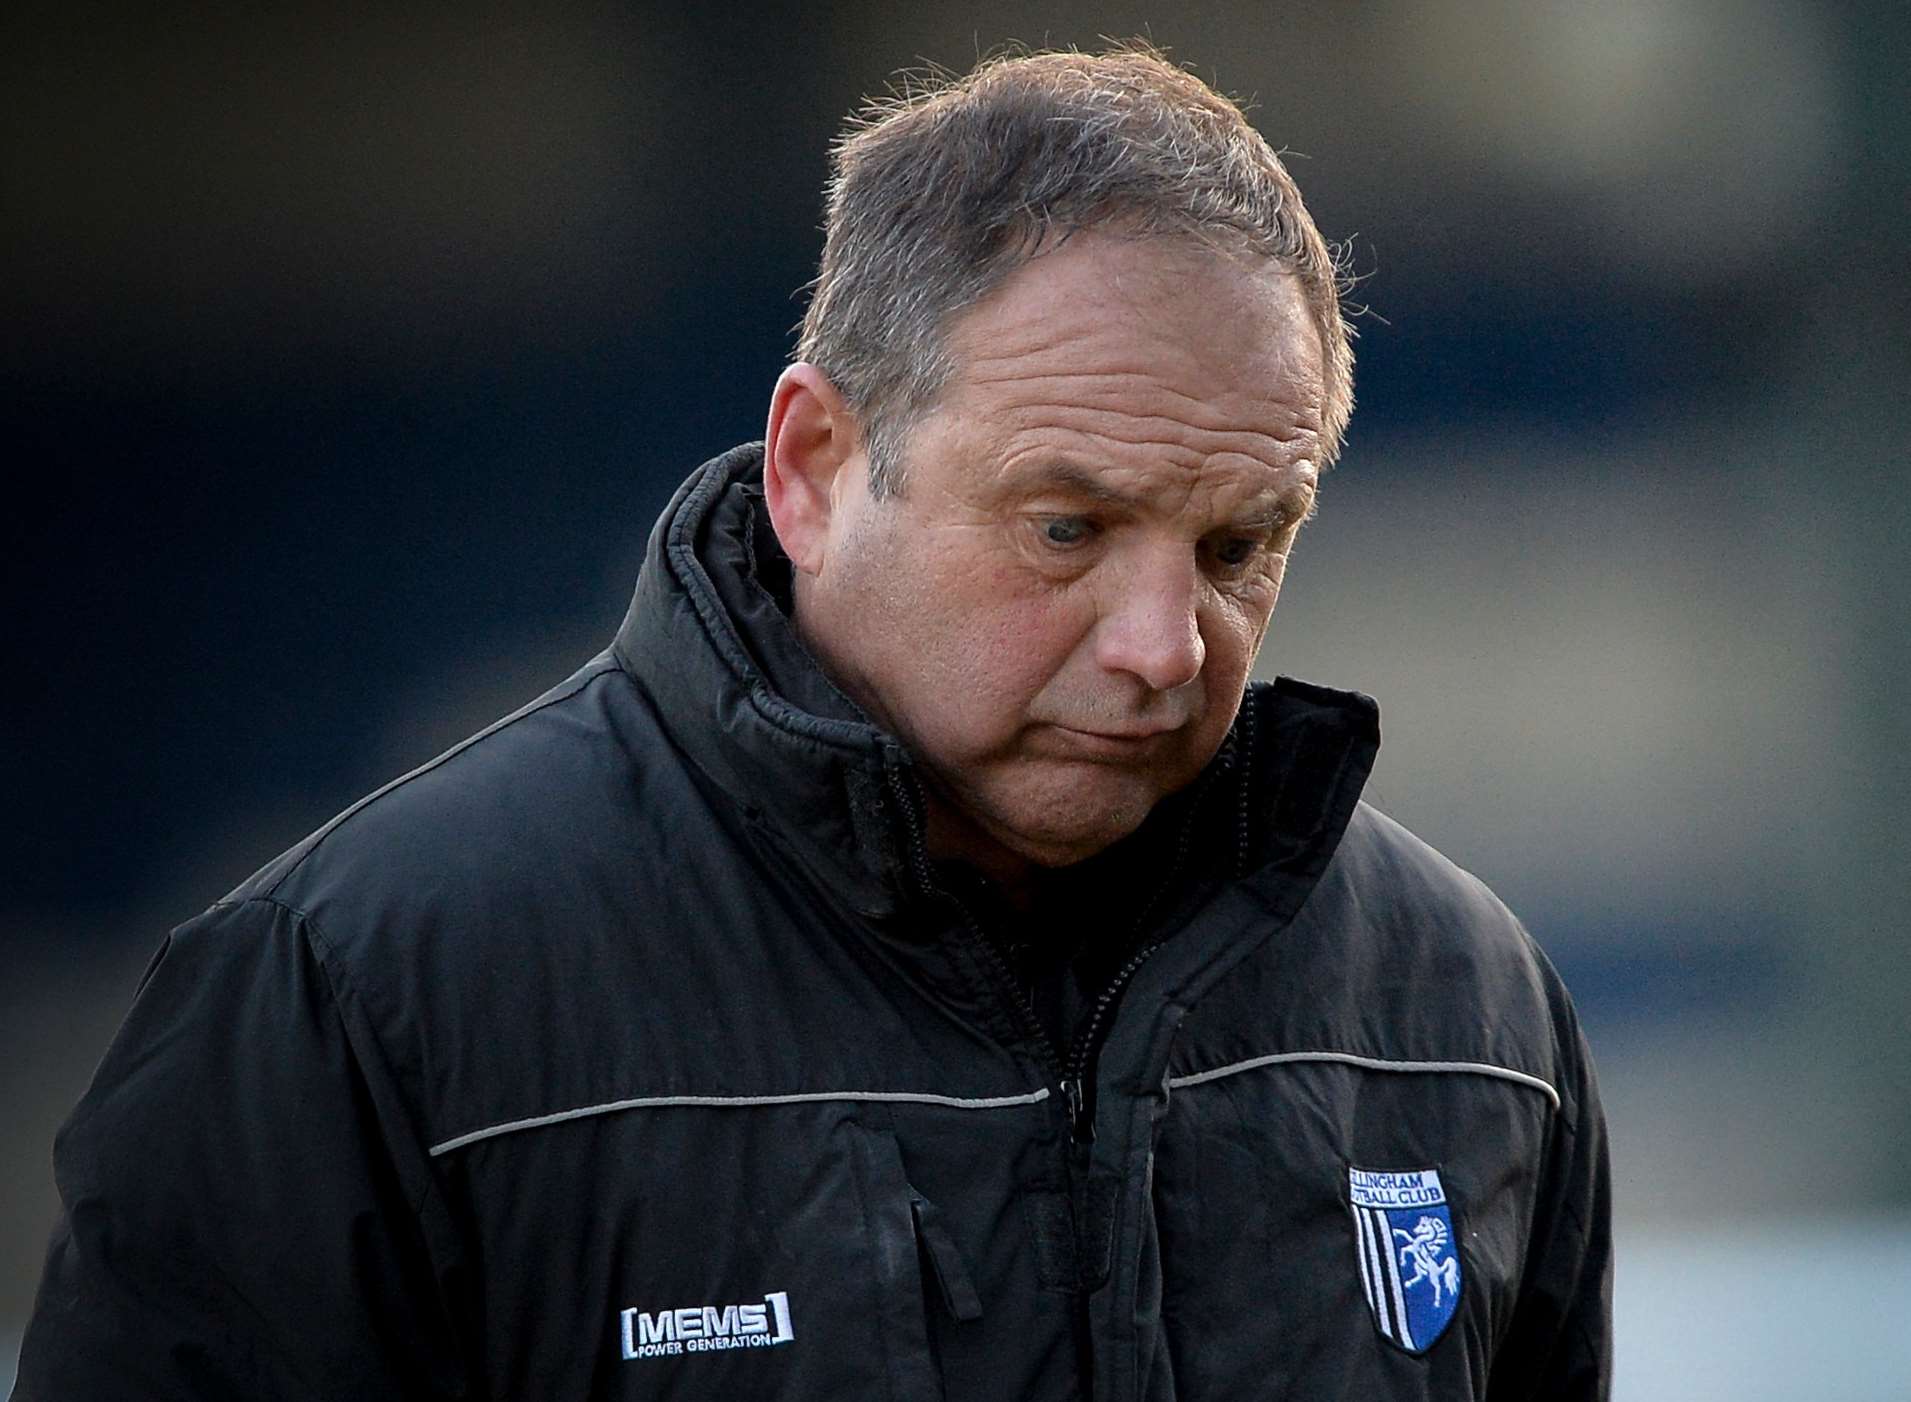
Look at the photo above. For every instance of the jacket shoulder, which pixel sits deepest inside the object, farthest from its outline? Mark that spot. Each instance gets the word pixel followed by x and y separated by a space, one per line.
pixel 1408 891
pixel 479 832
pixel 1405 958
pixel 480 913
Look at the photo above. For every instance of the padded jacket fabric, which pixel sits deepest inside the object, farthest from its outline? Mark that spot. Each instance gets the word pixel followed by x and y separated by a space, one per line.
pixel 635 1049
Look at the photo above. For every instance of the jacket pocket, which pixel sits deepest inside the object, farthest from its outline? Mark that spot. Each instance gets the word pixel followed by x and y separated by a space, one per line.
pixel 953 1281
pixel 740 1253
pixel 1319 1221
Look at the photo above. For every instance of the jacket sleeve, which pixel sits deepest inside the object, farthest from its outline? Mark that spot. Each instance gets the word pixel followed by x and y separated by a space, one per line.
pixel 1559 1344
pixel 245 1211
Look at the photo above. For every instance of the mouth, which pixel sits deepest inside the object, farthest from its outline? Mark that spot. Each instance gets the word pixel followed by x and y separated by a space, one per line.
pixel 1127 744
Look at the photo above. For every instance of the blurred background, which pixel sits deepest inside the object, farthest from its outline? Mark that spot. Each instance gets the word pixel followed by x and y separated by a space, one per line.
pixel 349 353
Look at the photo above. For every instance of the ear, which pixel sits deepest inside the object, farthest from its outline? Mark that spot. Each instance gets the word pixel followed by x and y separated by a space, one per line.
pixel 812 439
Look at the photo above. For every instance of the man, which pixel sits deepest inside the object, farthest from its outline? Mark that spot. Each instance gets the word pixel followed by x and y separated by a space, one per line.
pixel 911 962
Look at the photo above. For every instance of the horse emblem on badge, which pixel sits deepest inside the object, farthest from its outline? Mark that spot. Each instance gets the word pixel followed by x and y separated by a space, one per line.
pixel 1409 1255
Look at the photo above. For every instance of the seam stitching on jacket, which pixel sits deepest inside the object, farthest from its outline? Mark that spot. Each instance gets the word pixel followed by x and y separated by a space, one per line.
pixel 586 676
pixel 1577 1222
pixel 1371 1063
pixel 651 1102
pixel 331 969
pixel 866 1200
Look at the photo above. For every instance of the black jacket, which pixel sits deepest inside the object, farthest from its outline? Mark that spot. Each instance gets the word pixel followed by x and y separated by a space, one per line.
pixel 634 1048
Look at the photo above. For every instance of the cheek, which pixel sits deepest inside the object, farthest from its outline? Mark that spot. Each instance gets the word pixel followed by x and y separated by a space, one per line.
pixel 1255 602
pixel 995 652
pixel 1018 647
pixel 1233 637
pixel 1244 619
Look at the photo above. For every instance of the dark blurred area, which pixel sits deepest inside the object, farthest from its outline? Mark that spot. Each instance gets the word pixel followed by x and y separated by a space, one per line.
pixel 350 353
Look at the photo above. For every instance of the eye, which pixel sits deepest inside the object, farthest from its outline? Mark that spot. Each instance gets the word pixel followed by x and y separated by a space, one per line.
pixel 1235 552
pixel 1064 531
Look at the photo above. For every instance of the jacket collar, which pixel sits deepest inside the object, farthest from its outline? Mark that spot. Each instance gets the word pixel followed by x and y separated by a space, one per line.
pixel 738 693
pixel 704 639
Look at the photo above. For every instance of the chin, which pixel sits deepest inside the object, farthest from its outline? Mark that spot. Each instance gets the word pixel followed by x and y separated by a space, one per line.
pixel 1086 827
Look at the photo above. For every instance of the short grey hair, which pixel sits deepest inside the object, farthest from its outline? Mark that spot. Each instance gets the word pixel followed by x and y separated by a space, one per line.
pixel 939 192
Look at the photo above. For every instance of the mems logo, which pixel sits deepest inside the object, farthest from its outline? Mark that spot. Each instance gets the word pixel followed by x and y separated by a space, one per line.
pixel 707 1328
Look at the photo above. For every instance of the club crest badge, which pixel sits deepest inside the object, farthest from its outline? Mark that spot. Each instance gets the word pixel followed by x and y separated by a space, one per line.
pixel 1409 1253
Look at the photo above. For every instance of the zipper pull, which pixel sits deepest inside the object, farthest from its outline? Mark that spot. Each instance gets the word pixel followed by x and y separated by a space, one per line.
pixel 1081 1124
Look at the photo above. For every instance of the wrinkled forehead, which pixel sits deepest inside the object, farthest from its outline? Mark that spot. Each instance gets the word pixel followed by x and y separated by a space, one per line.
pixel 1244 490
pixel 1215 321
pixel 1174 380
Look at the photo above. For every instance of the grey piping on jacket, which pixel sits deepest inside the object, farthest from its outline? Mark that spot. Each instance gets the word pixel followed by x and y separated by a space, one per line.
pixel 1371 1063
pixel 726 1102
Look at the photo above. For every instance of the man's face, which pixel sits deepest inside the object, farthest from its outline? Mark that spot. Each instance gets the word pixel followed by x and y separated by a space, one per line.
pixel 1058 612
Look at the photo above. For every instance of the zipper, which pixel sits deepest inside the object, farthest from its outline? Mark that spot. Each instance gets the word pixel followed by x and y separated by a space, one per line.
pixel 1073 1067
pixel 1077 1079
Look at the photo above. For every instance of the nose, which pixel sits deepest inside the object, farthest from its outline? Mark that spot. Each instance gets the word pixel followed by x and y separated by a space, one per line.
pixel 1150 625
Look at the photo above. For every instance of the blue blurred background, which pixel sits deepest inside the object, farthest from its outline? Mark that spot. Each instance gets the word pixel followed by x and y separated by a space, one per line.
pixel 350 353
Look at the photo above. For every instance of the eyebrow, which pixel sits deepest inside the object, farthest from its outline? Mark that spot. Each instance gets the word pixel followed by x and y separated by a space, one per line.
pixel 1293 505
pixel 1069 478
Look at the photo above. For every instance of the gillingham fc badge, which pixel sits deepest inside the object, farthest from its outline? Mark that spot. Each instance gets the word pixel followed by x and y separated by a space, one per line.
pixel 1409 1252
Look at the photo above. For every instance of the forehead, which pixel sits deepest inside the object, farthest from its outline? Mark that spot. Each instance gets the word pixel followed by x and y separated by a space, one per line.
pixel 1146 364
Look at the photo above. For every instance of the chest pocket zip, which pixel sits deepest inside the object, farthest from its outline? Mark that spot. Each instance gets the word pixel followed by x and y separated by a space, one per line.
pixel 945 1260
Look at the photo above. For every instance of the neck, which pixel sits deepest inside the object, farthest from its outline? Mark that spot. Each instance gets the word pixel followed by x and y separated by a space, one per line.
pixel 951 836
